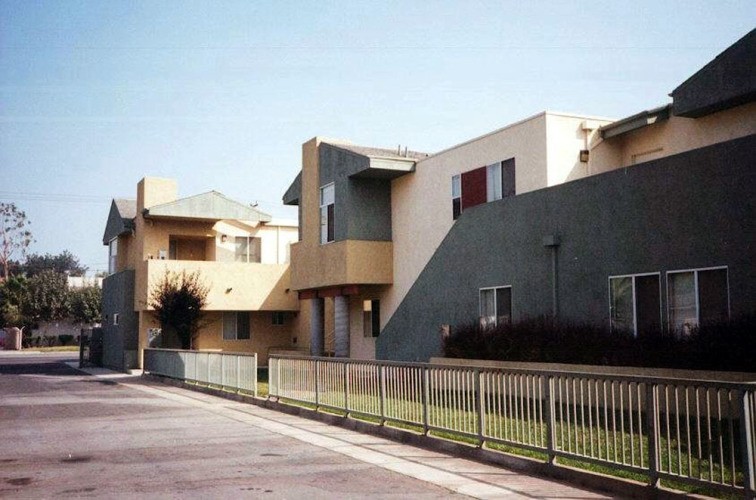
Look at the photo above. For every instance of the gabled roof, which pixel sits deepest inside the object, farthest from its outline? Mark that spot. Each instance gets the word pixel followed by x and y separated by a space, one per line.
pixel 120 219
pixel 207 206
pixel 727 81
pixel 636 121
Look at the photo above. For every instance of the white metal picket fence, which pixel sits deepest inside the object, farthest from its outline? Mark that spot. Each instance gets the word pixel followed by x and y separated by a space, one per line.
pixel 225 370
pixel 690 431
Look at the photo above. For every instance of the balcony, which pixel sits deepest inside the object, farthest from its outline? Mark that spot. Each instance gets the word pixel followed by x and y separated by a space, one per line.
pixel 348 262
pixel 234 286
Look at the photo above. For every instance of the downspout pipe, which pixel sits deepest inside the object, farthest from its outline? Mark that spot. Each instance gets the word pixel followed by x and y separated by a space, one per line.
pixel 552 241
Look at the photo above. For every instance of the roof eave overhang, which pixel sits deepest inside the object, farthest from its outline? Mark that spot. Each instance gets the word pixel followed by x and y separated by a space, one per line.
pixel 635 122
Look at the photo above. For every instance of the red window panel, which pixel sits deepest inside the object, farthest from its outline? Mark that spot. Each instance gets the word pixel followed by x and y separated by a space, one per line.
pixel 473 187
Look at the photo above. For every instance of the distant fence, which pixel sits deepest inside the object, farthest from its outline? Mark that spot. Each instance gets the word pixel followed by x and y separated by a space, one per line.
pixel 689 431
pixel 229 371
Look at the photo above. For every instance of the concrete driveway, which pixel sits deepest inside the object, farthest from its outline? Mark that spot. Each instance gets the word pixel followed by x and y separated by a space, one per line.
pixel 65 433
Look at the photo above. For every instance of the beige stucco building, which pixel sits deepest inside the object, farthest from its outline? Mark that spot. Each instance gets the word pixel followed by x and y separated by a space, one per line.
pixel 239 253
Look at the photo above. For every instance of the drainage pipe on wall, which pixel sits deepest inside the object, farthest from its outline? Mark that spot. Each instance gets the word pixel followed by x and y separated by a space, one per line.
pixel 552 241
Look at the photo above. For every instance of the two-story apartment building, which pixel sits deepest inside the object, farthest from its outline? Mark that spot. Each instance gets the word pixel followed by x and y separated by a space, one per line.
pixel 240 253
pixel 640 224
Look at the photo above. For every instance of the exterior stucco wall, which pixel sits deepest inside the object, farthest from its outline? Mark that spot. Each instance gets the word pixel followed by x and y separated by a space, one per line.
pixel 264 336
pixel 565 138
pixel 119 341
pixel 673 136
pixel 686 211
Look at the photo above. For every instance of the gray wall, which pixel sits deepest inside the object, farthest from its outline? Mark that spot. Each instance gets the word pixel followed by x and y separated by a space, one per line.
pixel 687 211
pixel 363 205
pixel 119 341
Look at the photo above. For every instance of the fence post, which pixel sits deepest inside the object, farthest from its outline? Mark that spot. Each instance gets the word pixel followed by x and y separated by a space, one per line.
pixel 382 391
pixel 652 422
pixel 747 438
pixel 550 418
pixel 480 407
pixel 425 389
pixel 207 379
pixel 346 388
pixel 317 385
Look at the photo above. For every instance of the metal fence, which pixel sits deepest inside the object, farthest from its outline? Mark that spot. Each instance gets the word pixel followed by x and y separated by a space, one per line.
pixel 228 371
pixel 690 431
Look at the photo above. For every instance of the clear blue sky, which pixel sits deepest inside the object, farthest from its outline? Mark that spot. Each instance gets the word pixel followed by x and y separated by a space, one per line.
pixel 220 95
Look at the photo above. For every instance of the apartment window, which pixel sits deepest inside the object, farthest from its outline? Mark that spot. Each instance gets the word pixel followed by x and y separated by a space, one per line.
pixel 635 303
pixel 456 196
pixel 236 325
pixel 247 249
pixel 278 318
pixel 697 296
pixel 371 318
pixel 495 306
pixel 327 198
pixel 115 319
pixel 500 180
pixel 112 255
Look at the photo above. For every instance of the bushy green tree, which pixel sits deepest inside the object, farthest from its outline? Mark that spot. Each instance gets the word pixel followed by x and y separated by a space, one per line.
pixel 178 300
pixel 48 297
pixel 86 304
pixel 13 296
pixel 65 262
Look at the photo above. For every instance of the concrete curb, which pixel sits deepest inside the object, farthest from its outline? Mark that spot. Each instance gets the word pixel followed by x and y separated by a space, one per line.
pixel 624 488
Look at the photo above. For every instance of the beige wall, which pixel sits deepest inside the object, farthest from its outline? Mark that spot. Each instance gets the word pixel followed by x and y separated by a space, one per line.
pixel 672 136
pixel 263 335
pixel 233 286
pixel 566 135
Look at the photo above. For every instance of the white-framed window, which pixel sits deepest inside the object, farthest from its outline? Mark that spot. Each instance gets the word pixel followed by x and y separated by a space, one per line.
pixel 500 180
pixel 236 325
pixel 456 192
pixel 113 255
pixel 495 306
pixel 247 249
pixel 493 182
pixel 697 296
pixel 635 303
pixel 327 200
pixel 371 318
pixel 277 318
pixel 115 319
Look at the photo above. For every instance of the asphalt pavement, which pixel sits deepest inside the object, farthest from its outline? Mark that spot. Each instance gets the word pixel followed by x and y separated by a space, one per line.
pixel 65 433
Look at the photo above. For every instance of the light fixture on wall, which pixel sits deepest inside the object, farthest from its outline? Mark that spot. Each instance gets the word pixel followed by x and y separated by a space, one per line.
pixel 224 238
pixel 584 154
pixel 228 290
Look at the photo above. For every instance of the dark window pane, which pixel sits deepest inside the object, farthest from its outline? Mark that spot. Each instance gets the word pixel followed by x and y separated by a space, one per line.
pixel 330 223
pixel 376 318
pixel 456 208
pixel 503 306
pixel 647 305
pixel 242 325
pixel 712 296
pixel 508 177
pixel 621 304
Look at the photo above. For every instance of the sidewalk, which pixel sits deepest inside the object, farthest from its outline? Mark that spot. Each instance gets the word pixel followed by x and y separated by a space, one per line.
pixel 457 475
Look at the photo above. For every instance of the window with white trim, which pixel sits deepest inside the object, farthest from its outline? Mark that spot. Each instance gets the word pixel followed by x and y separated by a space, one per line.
pixel 236 325
pixel 635 303
pixel 495 306
pixel 456 196
pixel 371 318
pixel 247 249
pixel 696 297
pixel 112 256
pixel 500 180
pixel 327 200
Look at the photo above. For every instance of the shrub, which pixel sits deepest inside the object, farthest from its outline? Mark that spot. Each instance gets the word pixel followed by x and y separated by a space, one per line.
pixel 65 339
pixel 727 346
